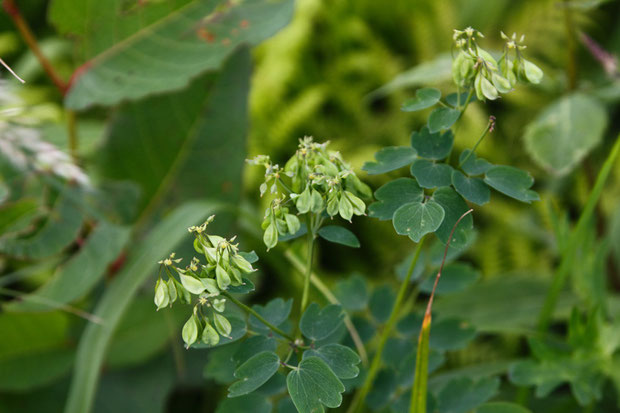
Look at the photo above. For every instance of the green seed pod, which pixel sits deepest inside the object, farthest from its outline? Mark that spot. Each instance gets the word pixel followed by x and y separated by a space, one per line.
pixel 303 201
pixel 501 84
pixel 161 294
pixel 345 208
pixel 270 237
pixel 197 246
pixel 172 291
pixel 292 222
pixel 488 90
pixel 456 68
pixel 488 59
pixel 243 264
pixel 262 188
pixel 190 331
pixel 478 86
pixel 236 277
pixel 316 202
pixel 219 305
pixel 332 204
pixel 222 324
pixel 359 207
pixel 210 336
pixel 191 284
pixel 222 277
pixel 265 223
pixel 507 70
pixel 532 72
pixel 354 184
pixel 281 226
pixel 210 285
pixel 184 296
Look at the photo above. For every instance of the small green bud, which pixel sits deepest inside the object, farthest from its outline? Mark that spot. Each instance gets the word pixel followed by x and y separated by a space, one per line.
pixel 222 277
pixel 210 285
pixel 184 296
pixel 532 72
pixel 345 208
pixel 359 207
pixel 303 201
pixel 191 284
pixel 210 336
pixel 316 202
pixel 222 324
pixel 219 304
pixel 161 294
pixel 292 222
pixel 190 331
pixel 172 291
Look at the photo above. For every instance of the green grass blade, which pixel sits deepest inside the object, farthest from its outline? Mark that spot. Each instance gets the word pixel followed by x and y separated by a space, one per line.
pixel 420 384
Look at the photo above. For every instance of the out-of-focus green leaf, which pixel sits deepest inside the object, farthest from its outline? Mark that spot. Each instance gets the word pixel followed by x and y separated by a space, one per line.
pixel 175 43
pixel 15 215
pixel 313 384
pixel 253 345
pixel 463 394
pixel 80 274
pixel 455 277
pixel 566 132
pixel 424 98
pixel 389 159
pixel 141 263
pixel 30 333
pixel 430 174
pixel 35 370
pixel 381 303
pixel 352 293
pixel 502 407
pixel 254 403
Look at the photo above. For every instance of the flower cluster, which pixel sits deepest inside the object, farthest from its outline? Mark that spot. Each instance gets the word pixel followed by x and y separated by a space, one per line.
pixel 224 267
pixel 313 181
pixel 476 69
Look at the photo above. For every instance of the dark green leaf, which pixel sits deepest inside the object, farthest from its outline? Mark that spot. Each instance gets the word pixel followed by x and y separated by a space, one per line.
pixel 303 230
pixel 275 311
pixel 250 403
pixel 430 174
pixel 454 207
pixel 390 158
pixel 502 407
pixel 425 98
pixel 393 195
pixel 417 219
pixel 381 303
pixel 383 389
pixel 352 293
pixel 451 334
pixel 473 165
pixel 455 277
pixel 254 373
pixel 250 257
pixel 253 345
pixel 442 118
pixel 339 235
pixel 462 395
pixel 245 288
pixel 31 371
pixel 472 189
pixel 313 384
pixel 220 365
pixel 317 323
pixel 511 181
pixel 435 146
pixel 455 99
pixel 341 359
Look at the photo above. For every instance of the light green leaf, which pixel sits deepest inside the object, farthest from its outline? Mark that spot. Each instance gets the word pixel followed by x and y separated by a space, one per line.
pixel 455 277
pixel 341 359
pixel 442 118
pixel 339 235
pixel 565 132
pixel 389 159
pixel 511 181
pixel 317 323
pixel 454 207
pixel 313 384
pixel 254 373
pixel 472 189
pixel 176 46
pixel 430 174
pixel 393 195
pixel 502 407
pixel 417 219
pixel 435 146
pixel 425 98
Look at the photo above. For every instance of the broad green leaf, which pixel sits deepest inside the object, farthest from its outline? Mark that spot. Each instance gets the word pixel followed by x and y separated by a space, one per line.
pixel 339 235
pixel 15 216
pixel 472 165
pixel 393 195
pixel 381 303
pixel 177 47
pixel 341 359
pixel 389 159
pixel 24 334
pixel 220 365
pixel 420 385
pixel 142 263
pixel 512 182
pixel 313 384
pixel 455 99
pixel 451 334
pixel 472 189
pixel 454 207
pixel 250 403
pixel 317 323
pixel 430 174
pixel 565 132
pixel 463 394
pixel 275 311
pixel 352 293
pixel 417 219
pixel 254 373
pixel 60 230
pixel 502 407
pixel 435 146
pixel 455 277
pixel 442 118
pixel 209 120
pixel 35 370
pixel 80 274
pixel 424 98
pixel 253 345
pixel 245 288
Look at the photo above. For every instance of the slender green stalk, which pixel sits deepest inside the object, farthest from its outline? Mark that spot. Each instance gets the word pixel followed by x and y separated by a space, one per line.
pixel 488 128
pixel 260 317
pixel 358 401
pixel 568 253
pixel 308 273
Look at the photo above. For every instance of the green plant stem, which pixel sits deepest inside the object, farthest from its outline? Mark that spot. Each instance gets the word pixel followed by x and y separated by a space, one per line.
pixel 308 272
pixel 484 133
pixel 469 96
pixel 571 64
pixel 358 401
pixel 260 317
pixel 568 254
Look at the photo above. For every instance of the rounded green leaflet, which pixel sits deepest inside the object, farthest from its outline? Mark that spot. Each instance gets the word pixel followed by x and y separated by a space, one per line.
pixel 430 174
pixel 417 219
pixel 454 206
pixel 472 165
pixel 317 323
pixel 389 159
pixel 429 145
pixel 425 98
pixel 393 195
pixel 442 118
pixel 275 311
pixel 313 384
pixel 339 235
pixel 472 189
pixel 341 359
pixel 512 182
pixel 254 373
pixel 222 324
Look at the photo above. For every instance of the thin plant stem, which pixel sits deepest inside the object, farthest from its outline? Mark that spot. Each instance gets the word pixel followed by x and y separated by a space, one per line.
pixel 260 317
pixel 308 272
pixel 489 127
pixel 358 401
pixel 7 67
